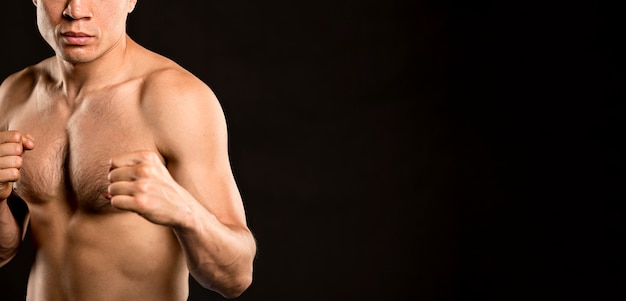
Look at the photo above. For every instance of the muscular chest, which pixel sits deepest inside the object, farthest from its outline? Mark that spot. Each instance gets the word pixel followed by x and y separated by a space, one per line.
pixel 73 146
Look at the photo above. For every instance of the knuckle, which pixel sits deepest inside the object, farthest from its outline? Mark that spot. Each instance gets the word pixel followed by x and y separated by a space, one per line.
pixel 15 173
pixel 10 149
pixel 15 136
pixel 17 148
pixel 142 187
pixel 10 174
pixel 10 136
pixel 144 171
pixel 113 188
pixel 141 202
pixel 145 155
pixel 18 162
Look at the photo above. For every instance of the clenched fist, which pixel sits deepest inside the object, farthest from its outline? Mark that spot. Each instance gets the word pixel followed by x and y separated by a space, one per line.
pixel 142 184
pixel 12 145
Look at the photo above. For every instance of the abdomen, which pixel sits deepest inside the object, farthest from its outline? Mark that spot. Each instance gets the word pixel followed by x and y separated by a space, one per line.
pixel 113 256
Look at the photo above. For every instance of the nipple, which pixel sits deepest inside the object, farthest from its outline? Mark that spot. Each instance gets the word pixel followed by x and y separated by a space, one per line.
pixel 107 195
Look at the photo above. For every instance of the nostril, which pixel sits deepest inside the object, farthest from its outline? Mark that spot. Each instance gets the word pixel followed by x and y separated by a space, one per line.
pixel 67 14
pixel 76 13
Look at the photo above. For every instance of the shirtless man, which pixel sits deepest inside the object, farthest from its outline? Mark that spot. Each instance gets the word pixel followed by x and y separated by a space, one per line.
pixel 121 157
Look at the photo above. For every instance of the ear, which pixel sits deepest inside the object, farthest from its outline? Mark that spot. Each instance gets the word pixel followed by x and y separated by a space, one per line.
pixel 131 5
pixel 35 2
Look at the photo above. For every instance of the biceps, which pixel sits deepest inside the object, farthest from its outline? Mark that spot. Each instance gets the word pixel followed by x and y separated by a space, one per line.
pixel 214 188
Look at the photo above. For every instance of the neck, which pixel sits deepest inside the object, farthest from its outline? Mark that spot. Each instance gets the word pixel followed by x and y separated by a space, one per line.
pixel 103 71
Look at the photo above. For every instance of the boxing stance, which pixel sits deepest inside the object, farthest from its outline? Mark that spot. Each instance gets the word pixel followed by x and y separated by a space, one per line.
pixel 116 159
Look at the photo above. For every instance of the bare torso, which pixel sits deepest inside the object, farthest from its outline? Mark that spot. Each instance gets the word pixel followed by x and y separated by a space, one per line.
pixel 85 248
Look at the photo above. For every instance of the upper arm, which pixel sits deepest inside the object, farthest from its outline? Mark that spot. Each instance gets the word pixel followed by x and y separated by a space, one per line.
pixel 191 134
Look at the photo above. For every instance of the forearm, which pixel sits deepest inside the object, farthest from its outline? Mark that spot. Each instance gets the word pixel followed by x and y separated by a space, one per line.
pixel 10 233
pixel 219 257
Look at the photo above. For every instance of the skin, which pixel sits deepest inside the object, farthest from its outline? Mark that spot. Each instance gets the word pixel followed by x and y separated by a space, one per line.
pixel 121 158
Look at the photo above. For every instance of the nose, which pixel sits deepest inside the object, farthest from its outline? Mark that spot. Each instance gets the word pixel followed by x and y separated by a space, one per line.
pixel 76 10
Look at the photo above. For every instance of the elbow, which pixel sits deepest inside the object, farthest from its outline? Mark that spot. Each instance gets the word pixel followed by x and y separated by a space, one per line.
pixel 7 253
pixel 5 257
pixel 231 280
pixel 228 283
pixel 241 280
pixel 230 289
pixel 239 286
pixel 231 284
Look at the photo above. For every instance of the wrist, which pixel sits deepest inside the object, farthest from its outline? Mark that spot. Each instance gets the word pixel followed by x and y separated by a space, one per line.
pixel 5 190
pixel 185 220
pixel 4 207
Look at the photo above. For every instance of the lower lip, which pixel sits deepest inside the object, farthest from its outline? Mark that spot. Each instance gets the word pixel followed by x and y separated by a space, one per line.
pixel 76 40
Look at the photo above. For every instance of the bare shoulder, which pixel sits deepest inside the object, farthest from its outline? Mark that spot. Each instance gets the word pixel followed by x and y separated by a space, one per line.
pixel 172 80
pixel 179 106
pixel 17 88
pixel 18 85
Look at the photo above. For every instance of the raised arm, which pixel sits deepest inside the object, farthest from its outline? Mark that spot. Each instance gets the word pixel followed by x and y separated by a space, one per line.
pixel 12 218
pixel 13 210
pixel 197 193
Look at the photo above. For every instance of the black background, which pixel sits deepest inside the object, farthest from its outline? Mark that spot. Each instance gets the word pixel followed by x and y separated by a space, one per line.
pixel 404 150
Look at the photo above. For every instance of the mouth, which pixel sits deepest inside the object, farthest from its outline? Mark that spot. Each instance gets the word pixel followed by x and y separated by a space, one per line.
pixel 76 38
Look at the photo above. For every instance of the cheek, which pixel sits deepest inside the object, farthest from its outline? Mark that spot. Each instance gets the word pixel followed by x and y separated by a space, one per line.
pixel 45 26
pixel 116 26
pixel 111 18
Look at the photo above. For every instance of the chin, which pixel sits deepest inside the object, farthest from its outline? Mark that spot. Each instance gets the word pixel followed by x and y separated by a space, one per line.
pixel 76 57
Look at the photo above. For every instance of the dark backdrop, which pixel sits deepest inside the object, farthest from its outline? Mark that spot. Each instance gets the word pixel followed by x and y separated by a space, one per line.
pixel 404 150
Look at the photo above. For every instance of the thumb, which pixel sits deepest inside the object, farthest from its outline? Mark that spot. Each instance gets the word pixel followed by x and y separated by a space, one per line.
pixel 28 142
